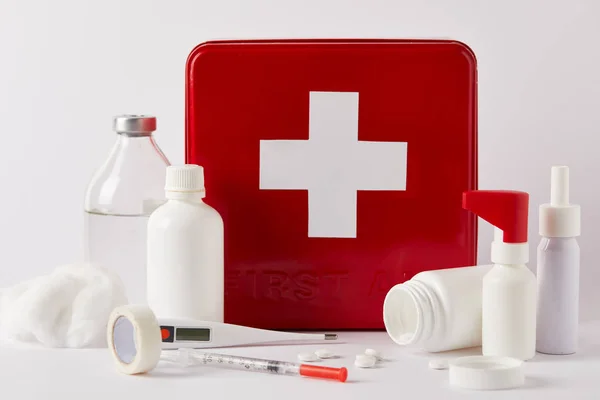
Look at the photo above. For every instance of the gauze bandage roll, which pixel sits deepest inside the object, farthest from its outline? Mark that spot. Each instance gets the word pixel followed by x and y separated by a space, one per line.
pixel 66 308
pixel 134 339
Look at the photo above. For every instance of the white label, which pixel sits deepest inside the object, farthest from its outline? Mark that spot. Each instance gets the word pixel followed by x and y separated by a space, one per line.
pixel 332 164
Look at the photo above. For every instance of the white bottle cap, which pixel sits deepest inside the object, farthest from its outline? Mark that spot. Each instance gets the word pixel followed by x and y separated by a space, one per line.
pixel 185 178
pixel 559 218
pixel 486 373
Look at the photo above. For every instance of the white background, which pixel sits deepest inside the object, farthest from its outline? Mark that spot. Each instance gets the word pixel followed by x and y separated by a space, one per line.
pixel 66 67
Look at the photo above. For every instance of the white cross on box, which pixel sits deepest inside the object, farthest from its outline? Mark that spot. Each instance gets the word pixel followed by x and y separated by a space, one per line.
pixel 332 164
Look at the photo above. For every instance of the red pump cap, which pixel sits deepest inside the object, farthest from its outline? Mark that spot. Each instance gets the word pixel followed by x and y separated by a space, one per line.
pixel 505 209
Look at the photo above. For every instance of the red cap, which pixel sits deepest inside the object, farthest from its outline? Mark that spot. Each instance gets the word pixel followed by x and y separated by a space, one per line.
pixel 316 371
pixel 505 209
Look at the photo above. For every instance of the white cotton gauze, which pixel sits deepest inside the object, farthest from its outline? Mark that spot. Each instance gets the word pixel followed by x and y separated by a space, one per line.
pixel 67 308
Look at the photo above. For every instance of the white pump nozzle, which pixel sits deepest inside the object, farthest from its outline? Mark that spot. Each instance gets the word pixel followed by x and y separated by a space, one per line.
pixel 508 253
pixel 560 218
pixel 559 186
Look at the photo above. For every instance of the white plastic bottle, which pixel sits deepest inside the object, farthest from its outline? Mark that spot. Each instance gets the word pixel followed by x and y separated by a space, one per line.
pixel 437 310
pixel 185 251
pixel 509 289
pixel 558 269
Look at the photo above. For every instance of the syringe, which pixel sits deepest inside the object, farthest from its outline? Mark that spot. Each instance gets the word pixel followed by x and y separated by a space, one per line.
pixel 189 357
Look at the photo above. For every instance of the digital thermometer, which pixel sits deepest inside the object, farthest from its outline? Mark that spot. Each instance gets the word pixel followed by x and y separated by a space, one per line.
pixel 179 333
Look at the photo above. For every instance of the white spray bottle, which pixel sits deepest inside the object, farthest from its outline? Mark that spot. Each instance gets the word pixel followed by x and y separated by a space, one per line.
pixel 558 269
pixel 509 289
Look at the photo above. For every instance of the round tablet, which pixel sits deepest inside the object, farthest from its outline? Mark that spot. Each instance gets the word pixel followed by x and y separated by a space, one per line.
pixel 373 353
pixel 438 364
pixel 324 353
pixel 307 357
pixel 365 361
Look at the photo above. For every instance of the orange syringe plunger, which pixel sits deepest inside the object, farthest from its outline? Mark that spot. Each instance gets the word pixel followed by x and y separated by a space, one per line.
pixel 315 371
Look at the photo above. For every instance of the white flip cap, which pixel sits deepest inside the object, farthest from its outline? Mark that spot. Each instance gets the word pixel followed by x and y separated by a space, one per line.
pixel 559 218
pixel 486 373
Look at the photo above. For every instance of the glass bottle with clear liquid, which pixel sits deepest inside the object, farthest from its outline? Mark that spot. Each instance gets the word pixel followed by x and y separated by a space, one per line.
pixel 122 194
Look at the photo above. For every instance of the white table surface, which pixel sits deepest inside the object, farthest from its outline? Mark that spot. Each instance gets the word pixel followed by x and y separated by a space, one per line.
pixel 28 373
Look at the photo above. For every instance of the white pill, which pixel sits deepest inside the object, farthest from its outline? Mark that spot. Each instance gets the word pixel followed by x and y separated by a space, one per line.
pixel 365 361
pixel 324 353
pixel 374 353
pixel 438 364
pixel 307 357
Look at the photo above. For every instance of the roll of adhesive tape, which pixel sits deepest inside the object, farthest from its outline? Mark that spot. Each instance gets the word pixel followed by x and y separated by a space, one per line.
pixel 134 339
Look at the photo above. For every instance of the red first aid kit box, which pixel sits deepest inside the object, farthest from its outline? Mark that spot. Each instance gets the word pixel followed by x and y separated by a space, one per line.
pixel 338 167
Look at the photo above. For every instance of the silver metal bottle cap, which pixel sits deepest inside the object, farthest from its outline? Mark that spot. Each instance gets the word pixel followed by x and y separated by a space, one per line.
pixel 134 125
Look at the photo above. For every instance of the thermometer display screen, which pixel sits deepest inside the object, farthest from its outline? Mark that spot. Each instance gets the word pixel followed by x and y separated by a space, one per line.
pixel 193 334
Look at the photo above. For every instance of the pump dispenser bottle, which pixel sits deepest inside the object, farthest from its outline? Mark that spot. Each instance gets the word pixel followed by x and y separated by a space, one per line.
pixel 509 289
pixel 558 269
